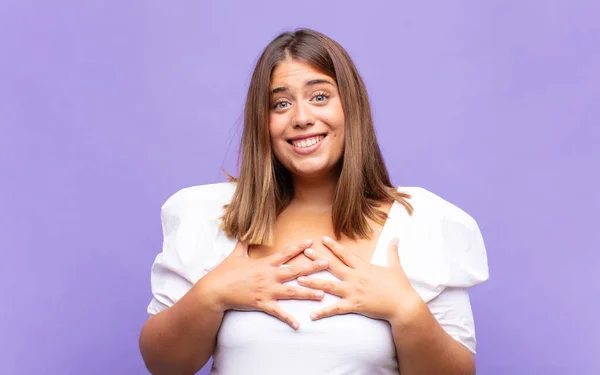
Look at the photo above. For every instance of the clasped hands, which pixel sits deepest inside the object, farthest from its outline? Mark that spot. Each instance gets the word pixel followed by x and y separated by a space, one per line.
pixel 242 283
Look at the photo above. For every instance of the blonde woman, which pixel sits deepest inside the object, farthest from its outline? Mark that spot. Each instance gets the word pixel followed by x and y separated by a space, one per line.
pixel 311 261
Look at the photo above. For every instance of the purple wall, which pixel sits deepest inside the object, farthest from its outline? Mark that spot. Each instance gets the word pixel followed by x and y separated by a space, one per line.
pixel 108 107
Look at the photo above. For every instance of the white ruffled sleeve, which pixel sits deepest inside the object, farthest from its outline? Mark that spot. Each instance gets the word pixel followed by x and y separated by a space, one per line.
pixel 192 242
pixel 443 254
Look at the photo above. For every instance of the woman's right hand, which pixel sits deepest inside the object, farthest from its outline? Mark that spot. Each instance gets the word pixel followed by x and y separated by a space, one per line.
pixel 246 284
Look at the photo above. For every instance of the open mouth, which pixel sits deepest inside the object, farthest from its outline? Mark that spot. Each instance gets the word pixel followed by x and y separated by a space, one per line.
pixel 307 142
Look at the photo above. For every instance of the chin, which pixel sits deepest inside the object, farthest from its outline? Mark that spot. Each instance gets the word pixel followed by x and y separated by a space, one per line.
pixel 312 171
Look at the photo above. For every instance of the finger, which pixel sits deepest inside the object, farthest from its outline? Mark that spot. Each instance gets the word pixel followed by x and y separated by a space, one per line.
pixel 337 309
pixel 332 287
pixel 295 271
pixel 336 266
pixel 274 310
pixel 338 250
pixel 288 253
pixel 393 256
pixel 293 292
pixel 312 254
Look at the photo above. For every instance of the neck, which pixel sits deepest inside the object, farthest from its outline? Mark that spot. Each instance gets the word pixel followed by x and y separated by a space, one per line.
pixel 315 192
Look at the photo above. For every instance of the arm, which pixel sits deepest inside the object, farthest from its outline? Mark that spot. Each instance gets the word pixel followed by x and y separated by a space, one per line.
pixel 181 336
pixel 181 339
pixel 423 341
pixel 437 335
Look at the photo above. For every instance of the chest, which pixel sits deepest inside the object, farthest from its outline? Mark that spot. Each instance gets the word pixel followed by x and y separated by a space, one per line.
pixel 293 227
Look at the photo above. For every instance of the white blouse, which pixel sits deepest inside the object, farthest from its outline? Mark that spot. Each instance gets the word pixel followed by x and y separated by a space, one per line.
pixel 441 250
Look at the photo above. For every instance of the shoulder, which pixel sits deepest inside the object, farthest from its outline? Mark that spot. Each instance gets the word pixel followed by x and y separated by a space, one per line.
pixel 207 195
pixel 191 223
pixel 192 241
pixel 441 244
pixel 430 206
pixel 442 219
pixel 200 200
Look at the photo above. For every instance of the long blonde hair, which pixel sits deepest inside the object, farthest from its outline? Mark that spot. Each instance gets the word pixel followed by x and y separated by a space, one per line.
pixel 264 186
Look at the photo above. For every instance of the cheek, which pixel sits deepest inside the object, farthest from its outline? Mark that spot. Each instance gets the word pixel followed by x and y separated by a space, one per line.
pixel 276 129
pixel 339 127
pixel 272 126
pixel 335 117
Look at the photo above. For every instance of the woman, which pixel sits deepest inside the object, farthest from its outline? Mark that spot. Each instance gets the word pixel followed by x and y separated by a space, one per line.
pixel 311 262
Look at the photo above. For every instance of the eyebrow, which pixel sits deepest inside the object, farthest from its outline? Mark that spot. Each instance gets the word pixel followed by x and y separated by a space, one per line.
pixel 312 82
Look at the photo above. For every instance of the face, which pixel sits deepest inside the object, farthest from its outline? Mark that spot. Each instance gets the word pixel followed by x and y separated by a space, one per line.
pixel 306 120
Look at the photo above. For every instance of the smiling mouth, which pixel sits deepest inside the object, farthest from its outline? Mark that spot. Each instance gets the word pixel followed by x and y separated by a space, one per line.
pixel 307 142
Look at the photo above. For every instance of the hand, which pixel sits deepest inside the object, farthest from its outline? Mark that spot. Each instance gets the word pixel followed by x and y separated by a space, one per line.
pixel 366 289
pixel 242 283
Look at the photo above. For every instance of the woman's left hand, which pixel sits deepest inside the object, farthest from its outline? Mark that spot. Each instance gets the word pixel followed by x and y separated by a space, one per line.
pixel 374 291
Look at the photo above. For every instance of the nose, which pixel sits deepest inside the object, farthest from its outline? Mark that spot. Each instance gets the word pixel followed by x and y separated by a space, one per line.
pixel 303 117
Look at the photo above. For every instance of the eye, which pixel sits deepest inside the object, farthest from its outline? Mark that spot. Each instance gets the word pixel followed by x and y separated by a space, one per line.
pixel 320 97
pixel 282 104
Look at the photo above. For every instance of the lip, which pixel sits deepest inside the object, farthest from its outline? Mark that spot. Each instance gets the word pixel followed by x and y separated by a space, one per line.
pixel 310 149
pixel 305 136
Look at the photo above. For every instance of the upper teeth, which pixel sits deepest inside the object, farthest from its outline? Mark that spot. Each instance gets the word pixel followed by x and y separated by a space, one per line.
pixel 307 142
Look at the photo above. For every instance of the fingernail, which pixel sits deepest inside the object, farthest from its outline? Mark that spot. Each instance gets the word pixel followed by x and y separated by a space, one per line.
pixel 309 252
pixel 323 263
pixel 302 279
pixel 395 241
pixel 326 239
pixel 295 325
pixel 313 316
pixel 319 294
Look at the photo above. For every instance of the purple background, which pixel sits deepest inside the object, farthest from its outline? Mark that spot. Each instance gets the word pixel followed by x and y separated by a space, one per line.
pixel 109 107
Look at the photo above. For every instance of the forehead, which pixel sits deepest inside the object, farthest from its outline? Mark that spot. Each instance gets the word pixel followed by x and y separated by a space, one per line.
pixel 294 72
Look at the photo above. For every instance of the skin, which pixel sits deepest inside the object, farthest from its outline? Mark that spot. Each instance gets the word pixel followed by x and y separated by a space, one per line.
pixel 305 101
pixel 181 339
